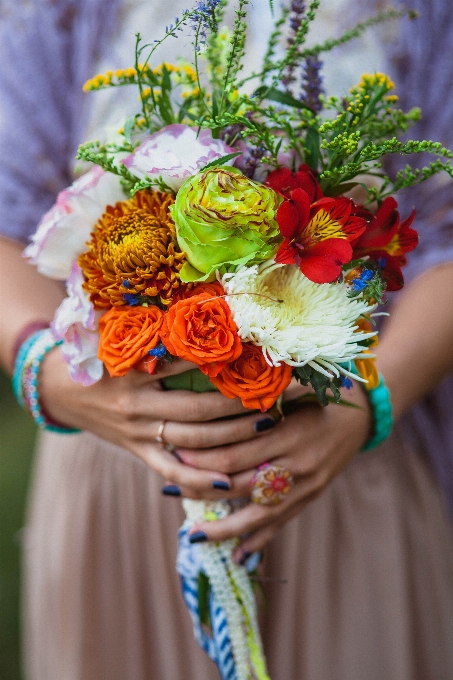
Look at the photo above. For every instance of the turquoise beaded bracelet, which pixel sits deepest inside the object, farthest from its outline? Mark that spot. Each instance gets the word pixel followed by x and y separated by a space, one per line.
pixel 379 398
pixel 25 377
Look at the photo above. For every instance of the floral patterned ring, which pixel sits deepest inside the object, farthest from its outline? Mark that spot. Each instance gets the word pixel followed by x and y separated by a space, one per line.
pixel 270 484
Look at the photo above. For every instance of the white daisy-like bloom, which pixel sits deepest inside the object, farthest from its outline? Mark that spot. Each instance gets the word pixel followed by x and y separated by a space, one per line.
pixel 294 320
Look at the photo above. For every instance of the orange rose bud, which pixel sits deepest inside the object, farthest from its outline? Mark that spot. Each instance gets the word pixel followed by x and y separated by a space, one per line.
pixel 201 329
pixel 250 378
pixel 127 335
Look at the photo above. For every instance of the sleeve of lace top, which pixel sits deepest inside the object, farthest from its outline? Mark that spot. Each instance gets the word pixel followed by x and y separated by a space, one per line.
pixel 423 69
pixel 47 50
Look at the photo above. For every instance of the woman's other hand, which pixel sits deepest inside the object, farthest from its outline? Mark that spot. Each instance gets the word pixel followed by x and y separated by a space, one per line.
pixel 314 444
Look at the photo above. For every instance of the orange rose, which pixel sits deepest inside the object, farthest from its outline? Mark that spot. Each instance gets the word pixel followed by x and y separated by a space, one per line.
pixel 201 329
pixel 127 335
pixel 214 289
pixel 250 378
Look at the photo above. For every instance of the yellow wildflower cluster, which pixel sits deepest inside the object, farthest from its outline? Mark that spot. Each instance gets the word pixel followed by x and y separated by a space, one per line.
pixel 370 80
pixel 171 68
pixel 113 77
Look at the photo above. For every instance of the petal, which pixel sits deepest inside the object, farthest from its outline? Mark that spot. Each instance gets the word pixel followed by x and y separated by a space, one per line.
pixel 307 181
pixel 391 273
pixel 280 180
pixel 301 200
pixel 287 253
pixel 331 219
pixel 382 227
pixel 322 262
pixel 288 218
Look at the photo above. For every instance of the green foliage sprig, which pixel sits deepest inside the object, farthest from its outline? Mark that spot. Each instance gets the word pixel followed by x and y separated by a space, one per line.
pixel 351 138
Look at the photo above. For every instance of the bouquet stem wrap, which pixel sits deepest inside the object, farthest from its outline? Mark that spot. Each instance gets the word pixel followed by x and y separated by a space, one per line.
pixel 217 591
pixel 234 641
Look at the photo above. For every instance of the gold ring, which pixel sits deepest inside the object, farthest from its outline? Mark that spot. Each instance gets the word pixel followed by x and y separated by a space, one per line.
pixel 270 484
pixel 160 433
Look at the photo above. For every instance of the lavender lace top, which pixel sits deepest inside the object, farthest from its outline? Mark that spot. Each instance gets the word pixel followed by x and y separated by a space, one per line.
pixel 47 51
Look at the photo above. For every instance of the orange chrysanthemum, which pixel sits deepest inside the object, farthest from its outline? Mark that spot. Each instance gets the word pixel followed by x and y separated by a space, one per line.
pixel 133 252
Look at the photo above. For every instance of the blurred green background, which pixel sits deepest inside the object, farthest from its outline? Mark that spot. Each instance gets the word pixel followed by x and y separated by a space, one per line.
pixel 17 435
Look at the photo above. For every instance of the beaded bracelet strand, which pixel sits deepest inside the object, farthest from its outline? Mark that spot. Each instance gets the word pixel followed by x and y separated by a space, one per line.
pixel 25 377
pixel 381 404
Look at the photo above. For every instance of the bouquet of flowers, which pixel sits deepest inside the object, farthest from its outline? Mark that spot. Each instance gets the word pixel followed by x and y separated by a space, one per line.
pixel 220 226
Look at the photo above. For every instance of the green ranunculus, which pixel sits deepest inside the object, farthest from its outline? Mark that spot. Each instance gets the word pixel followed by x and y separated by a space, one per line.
pixel 223 220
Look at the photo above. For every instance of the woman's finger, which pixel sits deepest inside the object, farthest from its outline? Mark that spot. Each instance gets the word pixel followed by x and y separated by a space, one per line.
pixel 288 435
pixel 210 434
pixel 182 405
pixel 168 466
pixel 256 516
pixel 244 521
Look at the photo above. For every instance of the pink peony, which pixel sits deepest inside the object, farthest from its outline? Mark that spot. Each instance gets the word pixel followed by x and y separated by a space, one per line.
pixel 62 234
pixel 175 153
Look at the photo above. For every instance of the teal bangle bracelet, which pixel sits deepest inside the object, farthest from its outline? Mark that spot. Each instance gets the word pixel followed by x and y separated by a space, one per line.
pixel 380 401
pixel 25 378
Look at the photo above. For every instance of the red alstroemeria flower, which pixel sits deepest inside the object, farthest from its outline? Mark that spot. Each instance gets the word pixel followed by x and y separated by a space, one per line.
pixel 284 182
pixel 387 240
pixel 317 236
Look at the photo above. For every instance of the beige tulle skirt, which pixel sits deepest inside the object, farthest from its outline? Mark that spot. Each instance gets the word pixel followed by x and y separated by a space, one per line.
pixel 368 570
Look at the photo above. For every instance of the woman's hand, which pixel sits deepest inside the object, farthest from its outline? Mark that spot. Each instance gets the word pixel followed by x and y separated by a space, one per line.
pixel 314 444
pixel 129 411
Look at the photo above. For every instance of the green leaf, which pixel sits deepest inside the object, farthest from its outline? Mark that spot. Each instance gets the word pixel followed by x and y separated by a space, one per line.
pixel 275 95
pixel 215 106
pixel 312 148
pixel 307 375
pixel 128 127
pixel 166 81
pixel 183 111
pixel 221 161
pixel 343 188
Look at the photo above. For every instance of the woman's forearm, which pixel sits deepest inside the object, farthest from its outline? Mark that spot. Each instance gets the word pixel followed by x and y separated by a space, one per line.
pixel 25 296
pixel 416 346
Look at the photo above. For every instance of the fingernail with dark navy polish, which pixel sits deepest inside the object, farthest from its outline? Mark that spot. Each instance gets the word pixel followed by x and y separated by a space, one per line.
pixel 171 490
pixel 198 537
pixel 220 485
pixel 177 456
pixel 244 558
pixel 264 424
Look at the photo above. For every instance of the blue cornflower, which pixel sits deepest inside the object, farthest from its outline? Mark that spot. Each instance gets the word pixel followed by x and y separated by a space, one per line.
pixel 382 261
pixel 132 299
pixel 158 351
pixel 346 382
pixel 361 281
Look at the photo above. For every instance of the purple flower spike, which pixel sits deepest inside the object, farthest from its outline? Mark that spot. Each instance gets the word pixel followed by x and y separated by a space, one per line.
pixel 312 88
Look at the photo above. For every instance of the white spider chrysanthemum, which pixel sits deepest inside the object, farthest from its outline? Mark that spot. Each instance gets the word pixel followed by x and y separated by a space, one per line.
pixel 295 320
